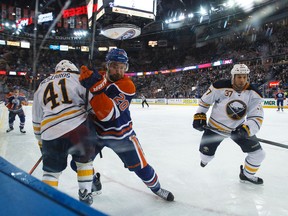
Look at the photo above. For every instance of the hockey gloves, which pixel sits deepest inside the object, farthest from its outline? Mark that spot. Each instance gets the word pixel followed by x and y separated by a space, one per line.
pixel 199 121
pixel 241 132
pixel 95 82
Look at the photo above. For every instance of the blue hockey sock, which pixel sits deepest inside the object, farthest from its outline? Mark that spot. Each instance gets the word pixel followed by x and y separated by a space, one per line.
pixel 149 177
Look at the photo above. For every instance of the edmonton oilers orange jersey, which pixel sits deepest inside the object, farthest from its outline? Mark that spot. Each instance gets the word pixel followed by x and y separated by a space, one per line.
pixel 14 103
pixel 113 120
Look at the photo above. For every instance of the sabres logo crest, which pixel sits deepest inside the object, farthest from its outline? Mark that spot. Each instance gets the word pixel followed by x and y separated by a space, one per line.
pixel 236 109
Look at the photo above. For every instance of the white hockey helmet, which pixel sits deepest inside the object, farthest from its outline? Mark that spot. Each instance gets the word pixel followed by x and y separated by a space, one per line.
pixel 66 65
pixel 239 69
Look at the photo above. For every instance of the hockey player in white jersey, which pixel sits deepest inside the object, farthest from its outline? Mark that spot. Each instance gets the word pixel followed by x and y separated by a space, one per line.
pixel 237 111
pixel 60 122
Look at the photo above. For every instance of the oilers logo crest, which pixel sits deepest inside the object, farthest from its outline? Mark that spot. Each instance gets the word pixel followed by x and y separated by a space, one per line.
pixel 236 109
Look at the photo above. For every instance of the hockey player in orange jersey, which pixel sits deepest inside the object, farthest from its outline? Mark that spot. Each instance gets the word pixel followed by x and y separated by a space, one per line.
pixel 112 94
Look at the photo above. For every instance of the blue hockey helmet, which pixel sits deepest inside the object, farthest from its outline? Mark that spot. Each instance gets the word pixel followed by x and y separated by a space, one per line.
pixel 16 88
pixel 117 55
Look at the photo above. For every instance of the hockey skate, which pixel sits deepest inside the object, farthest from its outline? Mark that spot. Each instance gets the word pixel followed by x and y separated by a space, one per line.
pixel 253 179
pixel 202 164
pixel 22 130
pixel 85 197
pixel 10 129
pixel 164 194
pixel 96 185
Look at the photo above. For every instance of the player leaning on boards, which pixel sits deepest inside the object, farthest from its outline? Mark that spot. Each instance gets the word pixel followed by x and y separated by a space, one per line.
pixel 113 92
pixel 60 123
pixel 232 100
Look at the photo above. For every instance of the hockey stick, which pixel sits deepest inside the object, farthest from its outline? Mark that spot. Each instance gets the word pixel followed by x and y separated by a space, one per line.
pixel 35 166
pixel 91 55
pixel 259 139
pixel 273 143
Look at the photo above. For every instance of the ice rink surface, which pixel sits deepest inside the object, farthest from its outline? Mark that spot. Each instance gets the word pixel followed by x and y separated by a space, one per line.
pixel 171 147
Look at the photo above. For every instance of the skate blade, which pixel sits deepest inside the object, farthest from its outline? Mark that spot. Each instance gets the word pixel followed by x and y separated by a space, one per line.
pixel 249 183
pixel 96 193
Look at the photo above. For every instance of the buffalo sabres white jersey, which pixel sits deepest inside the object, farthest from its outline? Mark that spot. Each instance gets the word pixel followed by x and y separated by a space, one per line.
pixel 58 106
pixel 231 108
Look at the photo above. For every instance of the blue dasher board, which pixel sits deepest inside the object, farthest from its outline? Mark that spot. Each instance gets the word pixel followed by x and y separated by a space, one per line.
pixel 23 194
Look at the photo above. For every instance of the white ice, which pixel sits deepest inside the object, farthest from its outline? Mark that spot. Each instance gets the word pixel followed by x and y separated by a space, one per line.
pixel 171 147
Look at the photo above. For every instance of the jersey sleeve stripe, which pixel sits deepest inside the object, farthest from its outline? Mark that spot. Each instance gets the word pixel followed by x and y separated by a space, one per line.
pixel 116 133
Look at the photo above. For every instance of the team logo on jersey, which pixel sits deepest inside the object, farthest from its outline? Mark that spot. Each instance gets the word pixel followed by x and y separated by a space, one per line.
pixel 205 149
pixel 236 109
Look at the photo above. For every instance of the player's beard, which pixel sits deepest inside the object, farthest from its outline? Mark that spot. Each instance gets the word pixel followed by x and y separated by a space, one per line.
pixel 114 77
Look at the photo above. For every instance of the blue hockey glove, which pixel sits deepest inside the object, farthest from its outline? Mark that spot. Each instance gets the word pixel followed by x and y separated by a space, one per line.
pixel 241 132
pixel 199 121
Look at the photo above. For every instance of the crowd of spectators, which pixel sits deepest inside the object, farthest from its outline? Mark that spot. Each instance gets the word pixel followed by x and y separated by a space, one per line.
pixel 258 48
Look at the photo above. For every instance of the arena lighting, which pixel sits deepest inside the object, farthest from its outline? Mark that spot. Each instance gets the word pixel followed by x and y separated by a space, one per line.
pixel 80 33
pixel 102 49
pixel 229 4
pixel 13 43
pixel 203 11
pixel 112 47
pixel 152 43
pixel 84 49
pixel 246 5
pixel 25 44
pixel 64 48
pixel 176 19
